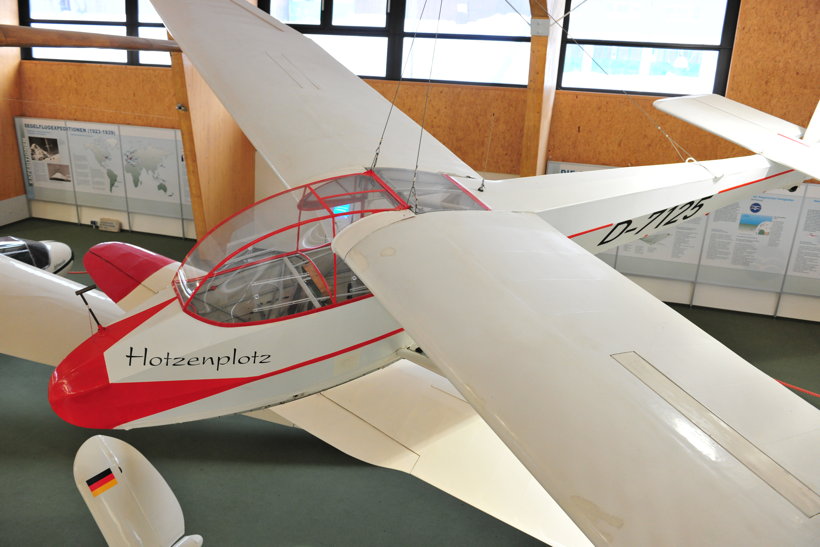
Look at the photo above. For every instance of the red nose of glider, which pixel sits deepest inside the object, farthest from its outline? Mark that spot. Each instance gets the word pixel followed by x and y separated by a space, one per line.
pixel 78 390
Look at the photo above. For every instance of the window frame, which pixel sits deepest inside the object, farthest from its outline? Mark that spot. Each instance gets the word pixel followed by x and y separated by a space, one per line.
pixel 132 26
pixel 395 34
pixel 393 31
pixel 723 49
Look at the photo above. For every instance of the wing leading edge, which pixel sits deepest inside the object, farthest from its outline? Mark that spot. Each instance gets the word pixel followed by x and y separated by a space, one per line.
pixel 641 426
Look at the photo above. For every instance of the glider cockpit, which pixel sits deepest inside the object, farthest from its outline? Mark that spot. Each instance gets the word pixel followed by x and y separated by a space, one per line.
pixel 273 260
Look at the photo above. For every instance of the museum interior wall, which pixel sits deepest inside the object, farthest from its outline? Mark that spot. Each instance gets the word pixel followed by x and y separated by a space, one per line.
pixel 11 181
pixel 772 70
pixel 483 124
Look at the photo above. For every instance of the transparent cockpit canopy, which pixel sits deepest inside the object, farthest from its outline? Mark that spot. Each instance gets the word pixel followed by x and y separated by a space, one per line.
pixel 274 259
pixel 433 191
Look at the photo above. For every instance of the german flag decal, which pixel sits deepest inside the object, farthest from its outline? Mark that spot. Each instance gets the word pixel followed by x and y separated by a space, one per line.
pixel 101 482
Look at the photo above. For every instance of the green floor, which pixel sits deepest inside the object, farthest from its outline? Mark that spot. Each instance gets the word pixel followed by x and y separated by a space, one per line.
pixel 241 481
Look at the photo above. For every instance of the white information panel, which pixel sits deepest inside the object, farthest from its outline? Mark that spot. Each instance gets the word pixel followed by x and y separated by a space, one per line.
pixel 672 254
pixel 610 256
pixel 747 244
pixel 106 166
pixel 803 273
pixel 554 167
pixel 44 154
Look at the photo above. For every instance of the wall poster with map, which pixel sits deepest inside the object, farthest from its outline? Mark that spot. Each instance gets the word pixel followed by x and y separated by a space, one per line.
pixel 151 164
pixel 116 167
pixel 96 162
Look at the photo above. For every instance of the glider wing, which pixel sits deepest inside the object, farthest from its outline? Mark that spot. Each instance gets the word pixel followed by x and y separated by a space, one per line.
pixel 307 115
pixel 641 426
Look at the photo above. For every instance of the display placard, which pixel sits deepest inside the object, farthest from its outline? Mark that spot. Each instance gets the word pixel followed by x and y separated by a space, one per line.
pixel 44 155
pixel 803 273
pixel 107 166
pixel 185 189
pixel 747 244
pixel 670 254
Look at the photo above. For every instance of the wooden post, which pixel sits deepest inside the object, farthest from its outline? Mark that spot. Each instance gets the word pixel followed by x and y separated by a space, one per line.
pixel 540 87
pixel 189 150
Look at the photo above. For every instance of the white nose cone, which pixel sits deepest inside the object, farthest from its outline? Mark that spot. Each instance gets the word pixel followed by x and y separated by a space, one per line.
pixel 60 257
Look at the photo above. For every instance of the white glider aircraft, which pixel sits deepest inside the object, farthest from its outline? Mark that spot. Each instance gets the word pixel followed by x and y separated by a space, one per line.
pixel 643 428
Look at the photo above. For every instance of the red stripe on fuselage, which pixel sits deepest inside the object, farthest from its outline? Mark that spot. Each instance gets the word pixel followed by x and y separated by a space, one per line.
pixel 798 141
pixel 721 192
pixel 755 181
pixel 80 392
pixel 591 230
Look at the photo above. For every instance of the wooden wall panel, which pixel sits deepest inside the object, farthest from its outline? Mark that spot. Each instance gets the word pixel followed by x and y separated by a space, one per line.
pixel 775 68
pixel 610 129
pixel 11 177
pixel 483 125
pixel 776 61
pixel 130 95
pixel 225 159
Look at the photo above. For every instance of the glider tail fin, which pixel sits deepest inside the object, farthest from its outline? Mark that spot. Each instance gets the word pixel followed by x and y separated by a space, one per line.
pixel 764 134
pixel 128 274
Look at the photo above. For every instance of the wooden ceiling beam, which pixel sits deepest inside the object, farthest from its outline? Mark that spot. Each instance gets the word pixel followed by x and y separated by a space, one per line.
pixel 16 36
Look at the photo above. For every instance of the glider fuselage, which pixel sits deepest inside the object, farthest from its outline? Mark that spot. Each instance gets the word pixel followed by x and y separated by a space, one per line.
pixel 262 312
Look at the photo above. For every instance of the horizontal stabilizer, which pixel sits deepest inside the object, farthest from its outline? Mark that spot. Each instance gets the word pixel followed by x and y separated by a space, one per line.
pixel 776 139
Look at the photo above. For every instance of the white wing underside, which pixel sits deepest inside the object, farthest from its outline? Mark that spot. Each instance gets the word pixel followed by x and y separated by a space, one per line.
pixel 307 115
pixel 43 319
pixel 410 419
pixel 641 426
